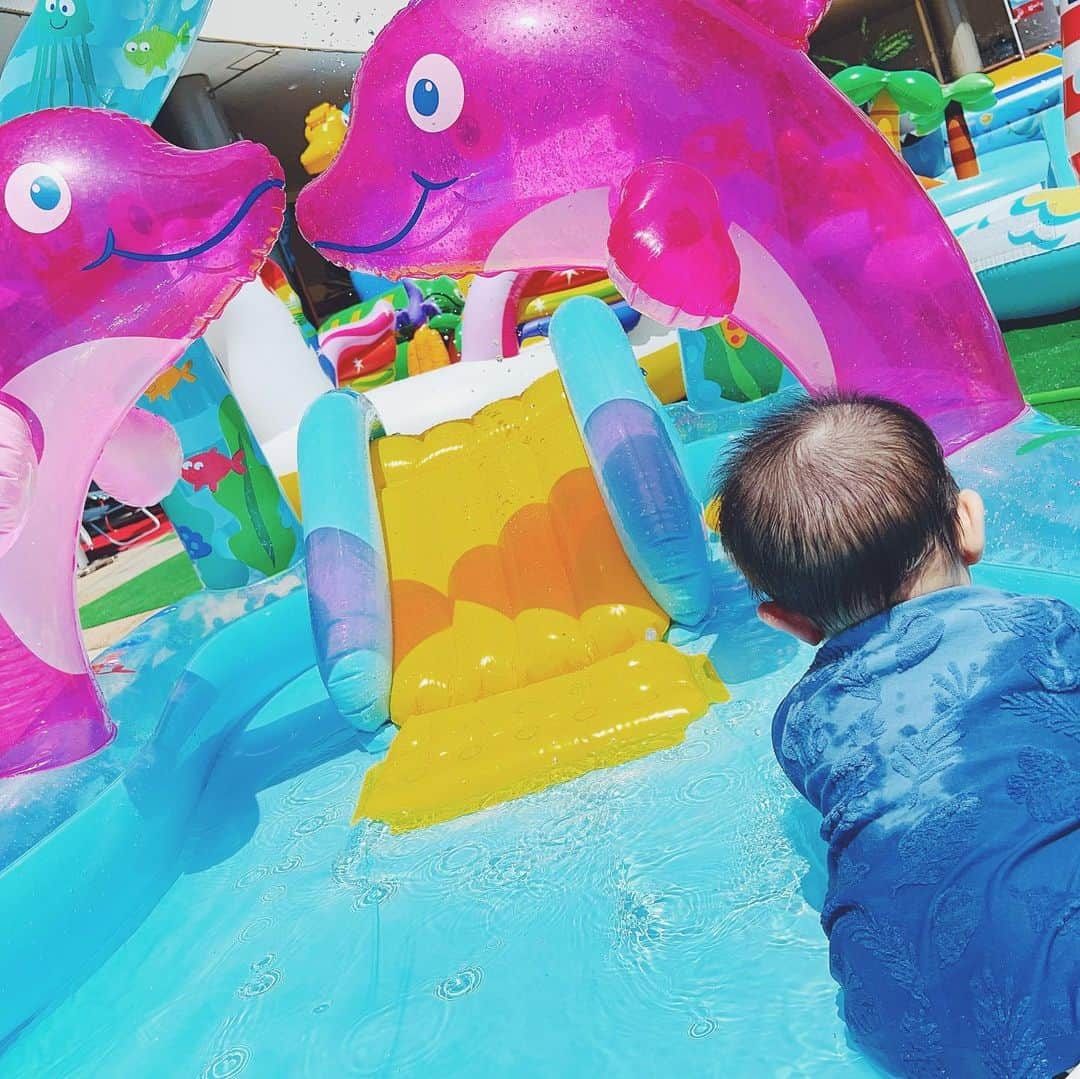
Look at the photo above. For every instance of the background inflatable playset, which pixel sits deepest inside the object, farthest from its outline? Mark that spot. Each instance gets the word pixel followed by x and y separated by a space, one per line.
pixel 480 573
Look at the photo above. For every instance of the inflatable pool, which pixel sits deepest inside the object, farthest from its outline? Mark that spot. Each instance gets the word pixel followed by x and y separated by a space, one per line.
pixel 1019 220
pixel 570 850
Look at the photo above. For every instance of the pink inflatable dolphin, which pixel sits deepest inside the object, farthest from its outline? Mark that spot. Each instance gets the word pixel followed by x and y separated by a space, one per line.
pixel 688 147
pixel 117 250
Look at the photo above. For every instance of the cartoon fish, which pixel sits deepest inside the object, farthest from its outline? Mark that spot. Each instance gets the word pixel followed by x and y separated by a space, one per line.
pixel 111 664
pixel 693 172
pixel 154 48
pixel 209 468
pixel 128 264
pixel 163 387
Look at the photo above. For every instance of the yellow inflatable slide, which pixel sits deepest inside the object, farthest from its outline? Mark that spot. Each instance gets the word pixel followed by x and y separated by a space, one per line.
pixel 526 651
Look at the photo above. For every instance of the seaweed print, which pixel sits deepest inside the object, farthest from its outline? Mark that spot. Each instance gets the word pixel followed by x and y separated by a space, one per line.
pixel 938 841
pixel 1021 621
pixel 1047 784
pixel 805 738
pixel 894 951
pixel 923 1047
pixel 849 783
pixel 855 680
pixel 1009 1038
pixel 919 635
pixel 1055 711
pixel 924 754
pixel 954 917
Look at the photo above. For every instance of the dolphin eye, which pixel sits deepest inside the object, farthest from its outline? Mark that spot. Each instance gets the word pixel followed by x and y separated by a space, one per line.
pixel 435 93
pixel 37 198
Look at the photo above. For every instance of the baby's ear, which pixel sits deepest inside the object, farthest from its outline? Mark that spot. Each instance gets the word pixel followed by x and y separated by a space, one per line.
pixel 797 625
pixel 972 513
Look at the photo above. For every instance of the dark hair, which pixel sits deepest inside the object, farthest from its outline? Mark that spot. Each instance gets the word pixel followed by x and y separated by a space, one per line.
pixel 829 506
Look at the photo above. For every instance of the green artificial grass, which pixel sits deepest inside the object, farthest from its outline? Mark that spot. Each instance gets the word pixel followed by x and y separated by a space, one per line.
pixel 158 587
pixel 1046 355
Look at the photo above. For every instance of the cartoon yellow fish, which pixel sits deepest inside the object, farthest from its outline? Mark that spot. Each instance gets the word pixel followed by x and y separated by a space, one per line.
pixel 164 386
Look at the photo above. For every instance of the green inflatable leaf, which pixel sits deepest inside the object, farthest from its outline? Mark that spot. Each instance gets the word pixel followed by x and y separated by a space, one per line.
pixel 742 374
pixel 265 542
pixel 861 83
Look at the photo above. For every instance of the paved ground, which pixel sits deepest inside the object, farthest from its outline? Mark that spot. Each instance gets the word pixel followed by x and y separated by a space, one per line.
pixel 126 566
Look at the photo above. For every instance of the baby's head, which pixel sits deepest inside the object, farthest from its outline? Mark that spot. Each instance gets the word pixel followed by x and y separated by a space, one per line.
pixel 840 507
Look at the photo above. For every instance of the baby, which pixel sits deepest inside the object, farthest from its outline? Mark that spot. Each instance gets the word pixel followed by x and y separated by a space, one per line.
pixel 937 732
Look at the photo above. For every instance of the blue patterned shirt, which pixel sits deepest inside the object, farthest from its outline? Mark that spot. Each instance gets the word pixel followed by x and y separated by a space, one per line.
pixel 940 742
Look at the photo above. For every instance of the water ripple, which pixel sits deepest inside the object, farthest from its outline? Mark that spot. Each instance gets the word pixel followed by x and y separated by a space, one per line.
pixel 317 786
pixel 376 893
pixel 227 1064
pixel 707 788
pixel 461 984
pixel 313 824
pixel 253 928
pixel 702 1028
pixel 253 876
pixel 263 978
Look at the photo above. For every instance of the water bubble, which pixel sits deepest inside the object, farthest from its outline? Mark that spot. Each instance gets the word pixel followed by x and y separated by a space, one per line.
pixel 461 984
pixel 226 1065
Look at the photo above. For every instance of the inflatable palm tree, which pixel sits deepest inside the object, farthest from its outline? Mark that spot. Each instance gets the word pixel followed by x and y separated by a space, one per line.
pixel 920 96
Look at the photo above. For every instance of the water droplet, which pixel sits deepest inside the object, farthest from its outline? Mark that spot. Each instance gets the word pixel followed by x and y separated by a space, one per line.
pixel 319 1009
pixel 461 984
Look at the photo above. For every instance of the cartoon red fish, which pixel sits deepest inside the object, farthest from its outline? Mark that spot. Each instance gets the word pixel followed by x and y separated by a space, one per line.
pixel 111 664
pixel 209 468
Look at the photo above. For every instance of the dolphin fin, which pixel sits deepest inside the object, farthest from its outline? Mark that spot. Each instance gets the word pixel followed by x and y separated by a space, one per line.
pixel 669 252
pixel 141 462
pixel 793 21
pixel 18 470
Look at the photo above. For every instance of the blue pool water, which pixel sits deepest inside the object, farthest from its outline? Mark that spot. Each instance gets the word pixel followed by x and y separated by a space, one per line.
pixel 194 902
pixel 658 914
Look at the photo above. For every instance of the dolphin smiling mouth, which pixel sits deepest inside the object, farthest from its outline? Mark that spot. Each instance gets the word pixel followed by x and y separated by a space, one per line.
pixel 426 188
pixel 192 252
